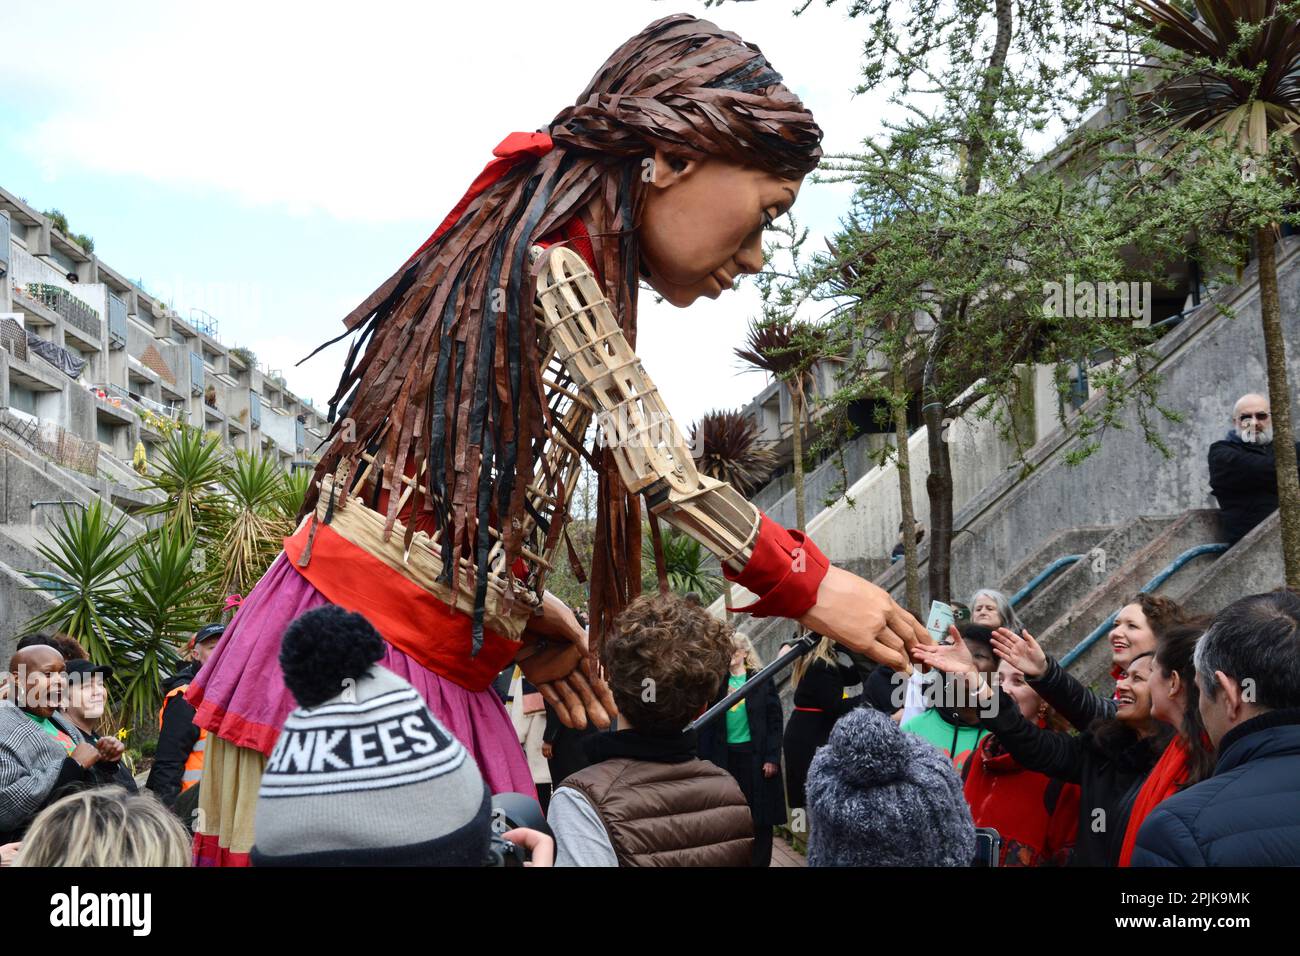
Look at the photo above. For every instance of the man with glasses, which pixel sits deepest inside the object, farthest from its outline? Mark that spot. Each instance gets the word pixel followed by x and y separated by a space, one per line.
pixel 1243 472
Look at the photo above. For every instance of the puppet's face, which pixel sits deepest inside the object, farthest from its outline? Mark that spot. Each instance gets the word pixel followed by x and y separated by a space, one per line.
pixel 702 224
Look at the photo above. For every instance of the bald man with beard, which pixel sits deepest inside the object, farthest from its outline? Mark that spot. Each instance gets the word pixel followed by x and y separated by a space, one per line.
pixel 42 754
pixel 1243 468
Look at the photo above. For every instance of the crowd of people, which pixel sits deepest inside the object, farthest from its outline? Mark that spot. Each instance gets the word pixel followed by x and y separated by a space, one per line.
pixel 989 752
pixel 1193 760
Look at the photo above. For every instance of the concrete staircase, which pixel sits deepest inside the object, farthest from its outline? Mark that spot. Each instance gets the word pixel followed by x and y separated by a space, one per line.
pixel 34 491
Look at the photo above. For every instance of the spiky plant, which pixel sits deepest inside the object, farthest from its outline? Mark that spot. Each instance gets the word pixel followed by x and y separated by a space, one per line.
pixel 788 350
pixel 254 522
pixel 687 565
pixel 162 605
pixel 89 557
pixel 189 470
pixel 726 443
pixel 727 448
pixel 1234 80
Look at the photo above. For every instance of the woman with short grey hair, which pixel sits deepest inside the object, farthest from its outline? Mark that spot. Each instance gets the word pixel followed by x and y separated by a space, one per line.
pixel 992 609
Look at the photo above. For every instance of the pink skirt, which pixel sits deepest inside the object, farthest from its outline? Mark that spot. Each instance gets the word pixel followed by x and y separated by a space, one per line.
pixel 240 695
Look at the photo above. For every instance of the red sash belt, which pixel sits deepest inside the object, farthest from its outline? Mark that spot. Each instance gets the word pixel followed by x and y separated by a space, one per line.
pixel 406 616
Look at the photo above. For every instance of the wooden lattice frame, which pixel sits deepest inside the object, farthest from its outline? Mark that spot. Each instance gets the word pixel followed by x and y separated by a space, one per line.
pixel 589 368
pixel 651 453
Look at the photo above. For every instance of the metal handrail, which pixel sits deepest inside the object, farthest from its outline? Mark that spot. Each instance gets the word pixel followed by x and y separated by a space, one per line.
pixel 1164 575
pixel 1038 579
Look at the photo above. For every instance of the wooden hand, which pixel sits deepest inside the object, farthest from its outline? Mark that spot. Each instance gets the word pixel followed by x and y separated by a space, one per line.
pixel 554 659
pixel 864 618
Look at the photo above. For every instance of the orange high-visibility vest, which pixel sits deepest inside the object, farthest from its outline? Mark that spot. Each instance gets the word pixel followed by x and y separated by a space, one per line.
pixel 194 762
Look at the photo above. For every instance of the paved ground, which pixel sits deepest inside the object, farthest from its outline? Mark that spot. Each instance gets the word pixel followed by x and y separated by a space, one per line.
pixel 782 855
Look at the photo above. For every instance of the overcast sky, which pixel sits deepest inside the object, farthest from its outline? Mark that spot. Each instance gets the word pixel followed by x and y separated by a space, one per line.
pixel 273 162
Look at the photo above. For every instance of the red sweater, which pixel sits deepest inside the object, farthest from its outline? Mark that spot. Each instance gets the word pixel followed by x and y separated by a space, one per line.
pixel 1036 815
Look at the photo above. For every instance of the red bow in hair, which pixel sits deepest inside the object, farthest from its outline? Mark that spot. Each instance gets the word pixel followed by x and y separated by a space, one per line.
pixel 508 152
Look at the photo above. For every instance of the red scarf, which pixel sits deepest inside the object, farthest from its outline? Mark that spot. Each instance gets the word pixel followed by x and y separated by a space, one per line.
pixel 1170 771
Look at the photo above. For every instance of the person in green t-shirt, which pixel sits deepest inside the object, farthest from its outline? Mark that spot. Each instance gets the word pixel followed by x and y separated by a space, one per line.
pixel 940 724
pixel 748 745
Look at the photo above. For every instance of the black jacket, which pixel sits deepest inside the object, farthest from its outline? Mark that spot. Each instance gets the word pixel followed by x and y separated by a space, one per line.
pixel 819 701
pixel 1243 479
pixel 1246 814
pixel 568 753
pixel 1109 763
pixel 1071 699
pixel 176 739
pixel 763 708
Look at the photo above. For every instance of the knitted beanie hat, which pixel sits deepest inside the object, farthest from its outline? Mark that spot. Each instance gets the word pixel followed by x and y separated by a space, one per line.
pixel 881 797
pixel 363 775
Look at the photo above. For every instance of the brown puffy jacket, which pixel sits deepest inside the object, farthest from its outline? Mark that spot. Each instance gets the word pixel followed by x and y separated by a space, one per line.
pixel 690 813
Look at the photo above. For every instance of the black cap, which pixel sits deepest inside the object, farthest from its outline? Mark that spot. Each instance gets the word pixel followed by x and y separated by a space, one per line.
pixel 78 666
pixel 208 631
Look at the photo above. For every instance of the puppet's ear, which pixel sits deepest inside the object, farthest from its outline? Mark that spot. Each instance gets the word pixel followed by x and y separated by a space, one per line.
pixel 666 169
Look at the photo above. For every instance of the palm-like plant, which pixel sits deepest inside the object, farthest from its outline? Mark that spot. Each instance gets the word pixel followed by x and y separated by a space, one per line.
pixel 788 349
pixel 257 495
pixel 1235 81
pixel 89 559
pixel 687 565
pixel 189 471
pixel 726 447
pixel 129 602
pixel 293 492
pixel 163 603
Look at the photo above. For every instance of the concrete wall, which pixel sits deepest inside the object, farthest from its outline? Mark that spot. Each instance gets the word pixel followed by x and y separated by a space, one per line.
pixel 1205 364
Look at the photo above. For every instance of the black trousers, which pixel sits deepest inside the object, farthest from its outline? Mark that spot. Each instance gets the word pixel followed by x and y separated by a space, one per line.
pixel 741 765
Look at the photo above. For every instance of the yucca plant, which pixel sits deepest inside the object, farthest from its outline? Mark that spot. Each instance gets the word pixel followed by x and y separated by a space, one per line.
pixel 256 496
pixel 89 556
pixel 162 604
pixel 293 492
pixel 1234 81
pixel 788 350
pixel 687 565
pixel 188 471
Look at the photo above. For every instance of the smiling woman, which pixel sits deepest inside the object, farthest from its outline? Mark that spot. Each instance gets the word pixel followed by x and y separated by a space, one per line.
pixel 438 509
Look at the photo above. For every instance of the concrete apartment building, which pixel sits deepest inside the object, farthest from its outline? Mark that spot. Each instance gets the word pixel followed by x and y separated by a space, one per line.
pixel 89 361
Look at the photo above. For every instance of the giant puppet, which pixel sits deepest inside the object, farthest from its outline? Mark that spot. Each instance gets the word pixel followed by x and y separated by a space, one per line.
pixel 439 505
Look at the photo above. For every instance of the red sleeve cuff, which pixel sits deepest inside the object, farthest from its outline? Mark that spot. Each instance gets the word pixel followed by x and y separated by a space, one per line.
pixel 785 571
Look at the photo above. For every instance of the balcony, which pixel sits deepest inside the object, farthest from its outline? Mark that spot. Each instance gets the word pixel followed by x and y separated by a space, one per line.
pixel 113 406
pixel 75 312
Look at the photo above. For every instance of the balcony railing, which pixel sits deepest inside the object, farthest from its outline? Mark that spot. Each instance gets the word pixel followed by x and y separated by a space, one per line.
pixel 116 322
pixel 197 370
pixel 120 397
pixel 4 243
pixel 75 312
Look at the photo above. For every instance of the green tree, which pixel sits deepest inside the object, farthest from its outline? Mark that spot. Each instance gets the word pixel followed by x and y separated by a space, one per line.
pixel 1222 116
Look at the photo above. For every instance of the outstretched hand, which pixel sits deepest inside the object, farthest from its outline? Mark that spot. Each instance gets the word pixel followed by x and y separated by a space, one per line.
pixel 554 659
pixel 1021 652
pixel 864 618
pixel 954 658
